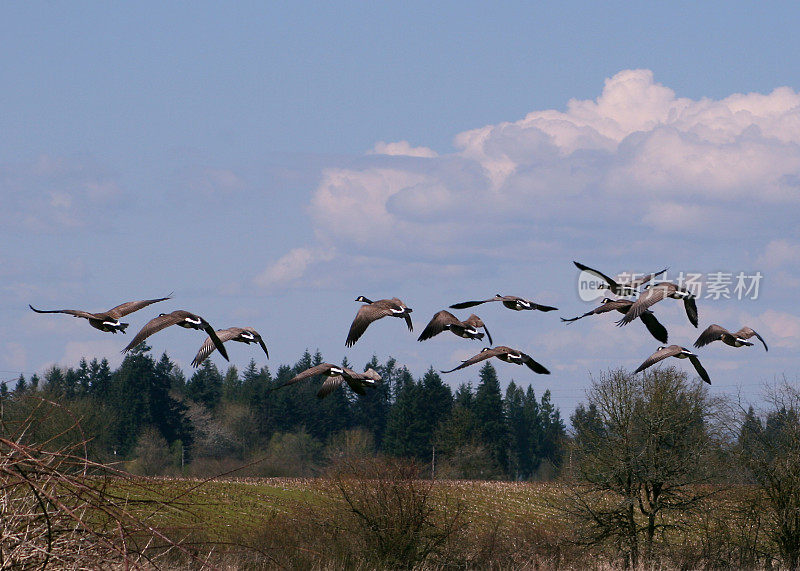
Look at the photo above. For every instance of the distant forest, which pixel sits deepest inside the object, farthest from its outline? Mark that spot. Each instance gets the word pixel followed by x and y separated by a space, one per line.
pixel 149 416
pixel 655 468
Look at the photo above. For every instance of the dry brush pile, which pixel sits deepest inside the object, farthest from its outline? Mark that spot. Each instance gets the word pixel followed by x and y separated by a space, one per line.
pixel 60 510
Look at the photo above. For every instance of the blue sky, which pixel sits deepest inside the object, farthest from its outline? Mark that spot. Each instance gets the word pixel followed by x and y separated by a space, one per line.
pixel 269 163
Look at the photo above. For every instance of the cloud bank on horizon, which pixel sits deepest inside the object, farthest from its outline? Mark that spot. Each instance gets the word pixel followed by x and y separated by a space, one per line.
pixel 637 158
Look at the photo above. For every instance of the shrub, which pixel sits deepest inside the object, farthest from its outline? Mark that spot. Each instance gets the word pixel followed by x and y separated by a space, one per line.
pixel 391 512
pixel 57 508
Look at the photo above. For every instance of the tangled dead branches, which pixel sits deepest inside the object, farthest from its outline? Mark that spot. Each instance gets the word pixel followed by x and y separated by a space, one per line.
pixel 62 510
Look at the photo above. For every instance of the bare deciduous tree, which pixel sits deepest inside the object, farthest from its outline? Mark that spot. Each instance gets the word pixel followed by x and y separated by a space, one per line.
pixel 393 511
pixel 640 457
pixel 770 450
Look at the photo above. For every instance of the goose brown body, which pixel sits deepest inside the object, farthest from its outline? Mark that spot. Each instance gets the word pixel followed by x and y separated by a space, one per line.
pixel 240 334
pixel 107 321
pixel 182 318
pixel 716 332
pixel 674 351
pixel 334 377
pixel 622 305
pixel 653 294
pixel 446 321
pixel 374 310
pixel 627 288
pixel 510 301
pixel 506 354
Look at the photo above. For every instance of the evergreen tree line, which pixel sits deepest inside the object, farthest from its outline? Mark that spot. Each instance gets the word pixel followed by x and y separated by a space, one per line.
pixel 148 413
pixel 650 457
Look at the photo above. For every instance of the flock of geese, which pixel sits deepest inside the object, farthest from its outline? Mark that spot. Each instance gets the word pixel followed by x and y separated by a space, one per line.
pixel 648 295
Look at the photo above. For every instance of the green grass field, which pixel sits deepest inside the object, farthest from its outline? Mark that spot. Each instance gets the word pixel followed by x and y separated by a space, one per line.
pixel 266 513
pixel 221 504
pixel 293 518
pixel 375 518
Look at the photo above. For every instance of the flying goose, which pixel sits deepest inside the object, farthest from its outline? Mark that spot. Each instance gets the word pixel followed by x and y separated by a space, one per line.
pixel 180 317
pixel 446 321
pixel 716 332
pixel 374 310
pixel 504 354
pixel 334 375
pixel 653 294
pixel 648 318
pixel 675 351
pixel 628 288
pixel 510 301
pixel 241 334
pixel 107 321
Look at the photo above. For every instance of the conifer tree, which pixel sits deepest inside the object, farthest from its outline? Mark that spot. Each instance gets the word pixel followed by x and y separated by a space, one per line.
pixel 99 377
pixel 399 439
pixel 21 386
pixel 231 385
pixel 553 431
pixel 488 409
pixel 84 380
pixel 205 385
pixel 168 415
pixel 54 379
pixel 460 429
pixel 371 410
pixel 518 433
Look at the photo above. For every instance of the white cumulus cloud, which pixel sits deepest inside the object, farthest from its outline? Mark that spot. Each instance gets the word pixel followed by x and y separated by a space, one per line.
pixel 780 253
pixel 782 328
pixel 637 161
pixel 402 148
pixel 290 267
